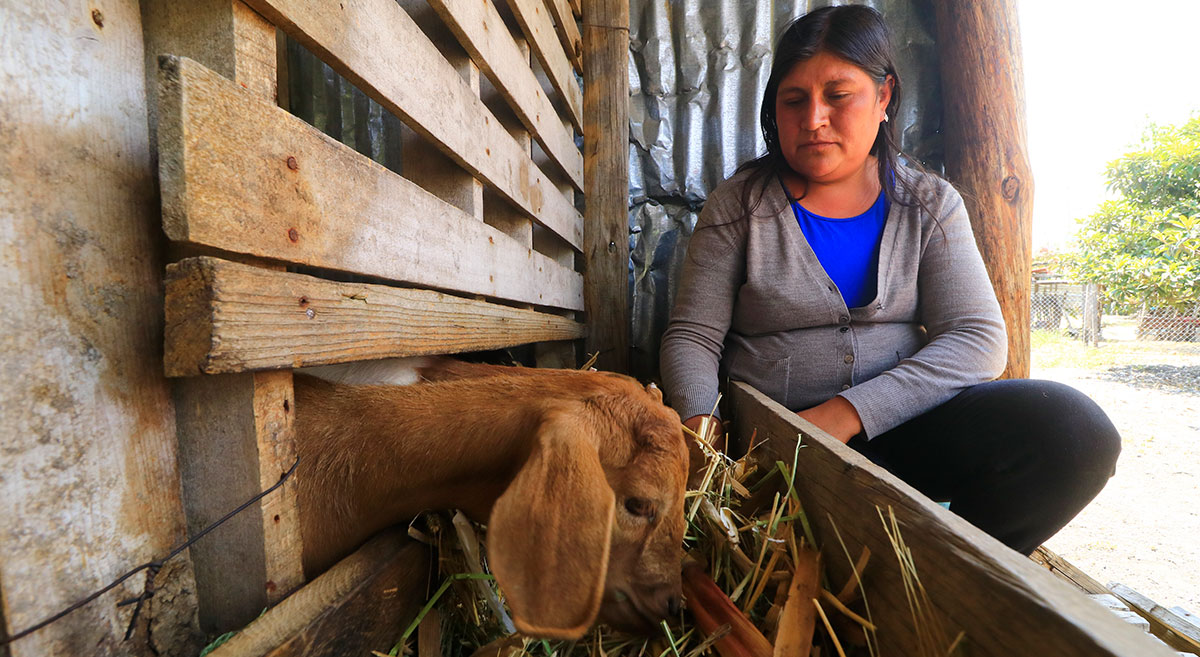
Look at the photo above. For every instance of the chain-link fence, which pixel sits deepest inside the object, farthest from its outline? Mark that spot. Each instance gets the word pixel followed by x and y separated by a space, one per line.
pixel 1062 307
pixel 1072 309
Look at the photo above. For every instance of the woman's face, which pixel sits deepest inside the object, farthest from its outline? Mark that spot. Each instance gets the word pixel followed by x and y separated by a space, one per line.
pixel 828 112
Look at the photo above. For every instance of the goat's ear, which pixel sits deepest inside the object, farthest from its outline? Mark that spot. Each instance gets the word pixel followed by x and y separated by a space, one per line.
pixel 654 392
pixel 549 533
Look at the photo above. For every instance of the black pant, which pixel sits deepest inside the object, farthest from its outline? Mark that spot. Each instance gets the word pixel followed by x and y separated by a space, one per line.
pixel 1017 458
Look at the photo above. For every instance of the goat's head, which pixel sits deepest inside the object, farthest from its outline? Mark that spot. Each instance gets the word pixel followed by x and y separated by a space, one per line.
pixel 592 525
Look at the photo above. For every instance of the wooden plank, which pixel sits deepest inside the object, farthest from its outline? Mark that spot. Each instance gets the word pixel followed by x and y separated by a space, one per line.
pixel 429 635
pixel 1005 604
pixel 256 62
pixel 986 154
pixel 89 485
pixel 497 212
pixel 364 40
pixel 423 162
pixel 534 20
pixel 235 433
pixel 481 30
pixel 568 31
pixel 606 177
pixel 1186 615
pixel 576 8
pixel 229 317
pixel 1165 624
pixel 359 605
pixel 1067 571
pixel 260 562
pixel 224 35
pixel 226 183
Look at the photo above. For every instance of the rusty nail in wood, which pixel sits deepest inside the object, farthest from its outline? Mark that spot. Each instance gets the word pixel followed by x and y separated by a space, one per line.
pixel 291 162
pixel 293 235
pixel 98 18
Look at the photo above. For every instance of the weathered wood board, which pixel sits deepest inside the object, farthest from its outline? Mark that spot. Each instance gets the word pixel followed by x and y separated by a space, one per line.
pixel 1066 571
pixel 568 31
pixel 361 604
pixel 606 170
pixel 1176 631
pixel 256 560
pixel 1004 603
pixel 235 440
pixel 228 317
pixel 482 31
pixel 534 20
pixel 89 486
pixel 363 39
pixel 240 175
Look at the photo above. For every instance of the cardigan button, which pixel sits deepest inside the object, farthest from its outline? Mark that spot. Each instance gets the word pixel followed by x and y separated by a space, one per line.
pixel 849 358
pixel 843 320
pixel 845 386
pixel 844 329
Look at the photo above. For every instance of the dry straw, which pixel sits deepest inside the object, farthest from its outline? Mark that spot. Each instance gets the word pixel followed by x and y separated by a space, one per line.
pixel 753 582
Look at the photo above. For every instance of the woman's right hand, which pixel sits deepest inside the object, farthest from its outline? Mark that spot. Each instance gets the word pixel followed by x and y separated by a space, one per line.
pixel 697 458
pixel 715 430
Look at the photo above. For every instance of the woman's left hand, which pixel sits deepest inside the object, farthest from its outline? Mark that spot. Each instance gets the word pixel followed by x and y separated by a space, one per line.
pixel 837 417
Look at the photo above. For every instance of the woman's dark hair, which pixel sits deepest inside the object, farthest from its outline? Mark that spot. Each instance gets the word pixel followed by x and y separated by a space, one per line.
pixel 857 34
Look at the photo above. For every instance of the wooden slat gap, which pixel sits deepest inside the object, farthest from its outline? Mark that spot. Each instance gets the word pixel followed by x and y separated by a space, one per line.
pixel 305 198
pixel 482 31
pixel 361 40
pixel 534 20
pixel 568 32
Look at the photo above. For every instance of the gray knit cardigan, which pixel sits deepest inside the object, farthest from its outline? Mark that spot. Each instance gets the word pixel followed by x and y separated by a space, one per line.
pixel 754 304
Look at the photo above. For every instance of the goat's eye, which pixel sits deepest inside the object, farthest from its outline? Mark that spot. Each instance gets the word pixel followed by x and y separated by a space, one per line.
pixel 640 506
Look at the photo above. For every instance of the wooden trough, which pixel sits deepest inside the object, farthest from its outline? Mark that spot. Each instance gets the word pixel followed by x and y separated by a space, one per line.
pixel 1004 603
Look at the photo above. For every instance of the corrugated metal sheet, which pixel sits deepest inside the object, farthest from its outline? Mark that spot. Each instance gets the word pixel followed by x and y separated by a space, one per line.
pixel 330 103
pixel 697 71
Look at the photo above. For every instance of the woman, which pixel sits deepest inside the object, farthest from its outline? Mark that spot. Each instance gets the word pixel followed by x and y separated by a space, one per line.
pixel 848 287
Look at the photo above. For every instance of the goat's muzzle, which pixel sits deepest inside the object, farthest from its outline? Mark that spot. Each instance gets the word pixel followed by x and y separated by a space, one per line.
pixel 640 611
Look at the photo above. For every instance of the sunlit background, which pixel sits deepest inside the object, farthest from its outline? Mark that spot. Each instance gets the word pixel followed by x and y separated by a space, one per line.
pixel 1096 74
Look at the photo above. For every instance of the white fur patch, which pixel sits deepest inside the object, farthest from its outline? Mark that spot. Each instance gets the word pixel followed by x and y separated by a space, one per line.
pixel 388 371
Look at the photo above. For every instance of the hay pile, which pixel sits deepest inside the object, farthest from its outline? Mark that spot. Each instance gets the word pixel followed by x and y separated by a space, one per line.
pixel 753 584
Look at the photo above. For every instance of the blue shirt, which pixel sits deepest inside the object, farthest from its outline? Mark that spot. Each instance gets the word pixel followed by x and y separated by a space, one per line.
pixel 847 248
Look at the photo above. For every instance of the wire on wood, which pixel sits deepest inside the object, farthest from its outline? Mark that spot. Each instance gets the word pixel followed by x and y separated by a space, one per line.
pixel 151 568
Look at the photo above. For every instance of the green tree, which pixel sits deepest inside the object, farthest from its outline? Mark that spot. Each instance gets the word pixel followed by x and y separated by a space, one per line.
pixel 1145 246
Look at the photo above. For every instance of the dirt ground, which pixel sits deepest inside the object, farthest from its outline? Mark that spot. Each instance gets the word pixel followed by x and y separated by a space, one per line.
pixel 1143 530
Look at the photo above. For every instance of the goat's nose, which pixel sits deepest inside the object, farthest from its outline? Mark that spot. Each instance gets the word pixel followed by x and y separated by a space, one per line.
pixel 673 605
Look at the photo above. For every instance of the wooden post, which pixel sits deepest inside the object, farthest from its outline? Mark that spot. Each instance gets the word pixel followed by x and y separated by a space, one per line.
pixel 606 180
pixel 983 92
pixel 235 431
pixel 1091 314
pixel 88 481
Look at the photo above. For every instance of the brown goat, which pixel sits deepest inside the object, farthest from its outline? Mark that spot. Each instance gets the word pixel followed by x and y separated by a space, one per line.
pixel 579 477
